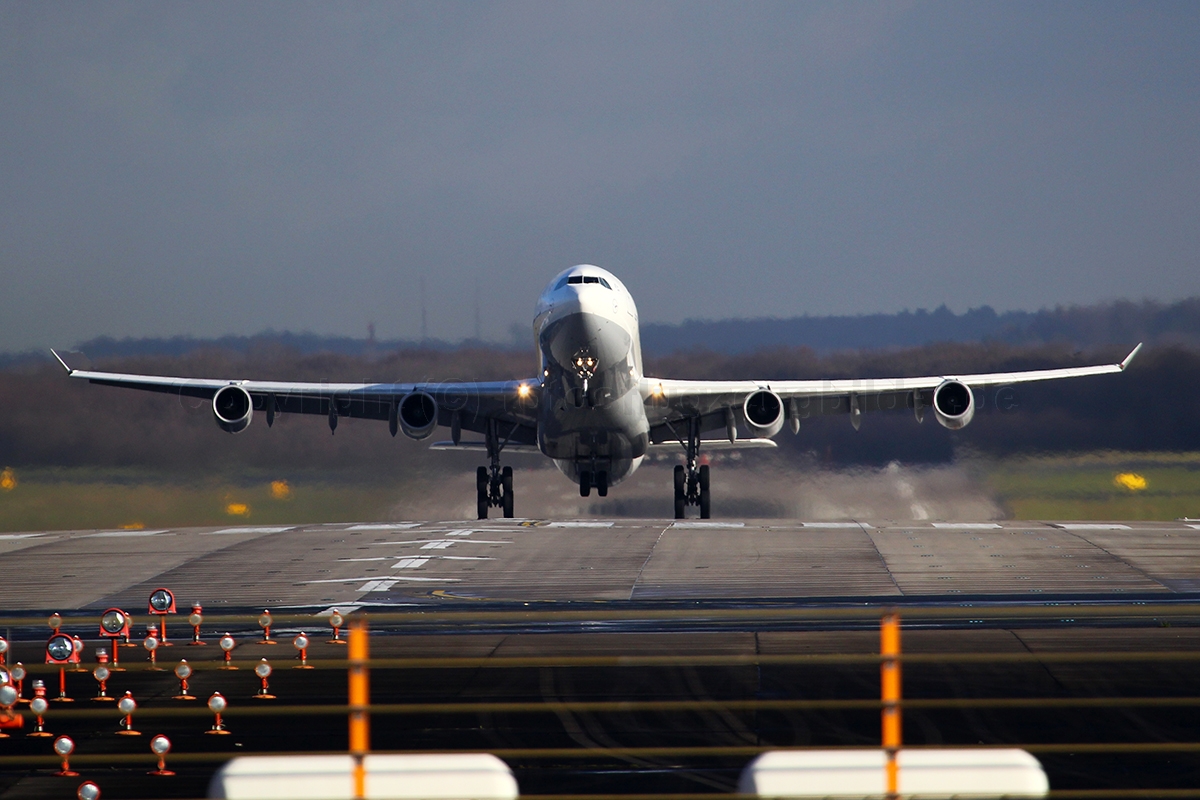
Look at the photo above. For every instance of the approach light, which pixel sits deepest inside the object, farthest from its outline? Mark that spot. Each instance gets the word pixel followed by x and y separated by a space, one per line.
pixel 264 622
pixel 263 671
pixel 127 705
pixel 88 791
pixel 183 672
pixel 162 602
pixel 336 621
pixel 64 746
pixel 217 704
pixel 227 644
pixel 301 644
pixel 160 746
pixel 523 391
pixel 55 621
pixel 3 650
pixel 59 649
pixel 195 619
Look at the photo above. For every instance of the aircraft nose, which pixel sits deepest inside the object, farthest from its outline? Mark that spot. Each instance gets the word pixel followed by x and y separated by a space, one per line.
pixel 585 342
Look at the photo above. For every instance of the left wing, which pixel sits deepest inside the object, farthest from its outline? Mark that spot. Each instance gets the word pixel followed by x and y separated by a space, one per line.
pixel 415 407
pixel 717 403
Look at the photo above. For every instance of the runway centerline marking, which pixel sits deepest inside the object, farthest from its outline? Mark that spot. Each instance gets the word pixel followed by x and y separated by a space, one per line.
pixel 854 525
pixel 20 535
pixel 122 534
pixel 393 526
pixel 376 578
pixel 700 525
pixel 446 542
pixel 1091 526
pixel 578 524
pixel 968 526
pixel 410 563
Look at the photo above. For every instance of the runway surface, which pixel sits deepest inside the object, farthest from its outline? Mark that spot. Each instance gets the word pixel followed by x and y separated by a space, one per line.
pixel 590 560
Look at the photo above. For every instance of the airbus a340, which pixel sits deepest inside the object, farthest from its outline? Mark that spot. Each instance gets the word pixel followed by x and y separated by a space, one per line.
pixel 591 409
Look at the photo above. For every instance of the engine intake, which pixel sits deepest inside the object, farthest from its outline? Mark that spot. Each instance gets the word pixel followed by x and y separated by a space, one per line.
pixel 418 415
pixel 953 404
pixel 763 411
pixel 233 408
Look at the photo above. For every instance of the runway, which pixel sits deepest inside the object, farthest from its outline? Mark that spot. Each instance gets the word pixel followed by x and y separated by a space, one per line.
pixel 512 561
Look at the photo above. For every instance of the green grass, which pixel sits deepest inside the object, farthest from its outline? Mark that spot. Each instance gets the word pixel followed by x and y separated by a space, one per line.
pixel 71 499
pixel 1082 486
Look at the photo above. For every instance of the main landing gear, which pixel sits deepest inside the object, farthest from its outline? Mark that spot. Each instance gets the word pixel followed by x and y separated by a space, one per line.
pixel 691 482
pixel 493 485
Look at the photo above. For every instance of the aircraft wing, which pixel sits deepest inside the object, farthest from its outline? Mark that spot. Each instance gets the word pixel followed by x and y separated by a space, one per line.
pixel 669 401
pixel 512 404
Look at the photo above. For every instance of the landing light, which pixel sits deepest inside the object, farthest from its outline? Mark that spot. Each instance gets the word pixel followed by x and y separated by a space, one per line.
pixel 523 390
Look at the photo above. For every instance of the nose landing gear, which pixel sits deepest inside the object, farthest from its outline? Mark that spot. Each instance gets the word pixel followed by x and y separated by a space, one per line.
pixel 589 479
pixel 494 485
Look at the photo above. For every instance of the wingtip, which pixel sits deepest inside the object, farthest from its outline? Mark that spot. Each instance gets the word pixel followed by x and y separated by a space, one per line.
pixel 1131 355
pixel 60 360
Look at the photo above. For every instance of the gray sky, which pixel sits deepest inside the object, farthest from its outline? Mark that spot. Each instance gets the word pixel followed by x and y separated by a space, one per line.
pixel 210 168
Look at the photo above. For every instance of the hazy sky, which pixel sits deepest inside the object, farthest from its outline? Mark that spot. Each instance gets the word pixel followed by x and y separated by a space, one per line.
pixel 209 168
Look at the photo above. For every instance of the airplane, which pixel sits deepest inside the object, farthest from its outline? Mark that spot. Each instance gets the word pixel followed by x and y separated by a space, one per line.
pixel 591 408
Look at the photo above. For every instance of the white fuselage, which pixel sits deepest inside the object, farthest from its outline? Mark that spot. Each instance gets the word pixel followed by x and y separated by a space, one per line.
pixel 592 415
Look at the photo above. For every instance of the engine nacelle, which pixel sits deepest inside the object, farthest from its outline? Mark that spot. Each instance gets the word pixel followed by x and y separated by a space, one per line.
pixel 953 404
pixel 763 412
pixel 418 415
pixel 233 408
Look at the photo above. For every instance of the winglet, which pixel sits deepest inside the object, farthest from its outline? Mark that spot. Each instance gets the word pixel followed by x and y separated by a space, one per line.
pixel 1129 357
pixel 56 355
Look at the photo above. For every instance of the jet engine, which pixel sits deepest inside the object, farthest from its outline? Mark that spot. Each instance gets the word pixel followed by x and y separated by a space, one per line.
pixel 233 408
pixel 418 415
pixel 763 411
pixel 953 404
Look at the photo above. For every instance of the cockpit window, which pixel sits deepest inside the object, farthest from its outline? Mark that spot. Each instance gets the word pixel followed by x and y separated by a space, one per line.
pixel 561 284
pixel 604 283
pixel 575 279
pixel 591 279
pixel 582 279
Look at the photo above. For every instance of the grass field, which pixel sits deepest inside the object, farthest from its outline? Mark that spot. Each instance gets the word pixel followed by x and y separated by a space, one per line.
pixel 67 499
pixel 1108 485
pixel 1156 486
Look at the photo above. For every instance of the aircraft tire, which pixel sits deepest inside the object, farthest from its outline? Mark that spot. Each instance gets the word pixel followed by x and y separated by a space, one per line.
pixel 585 483
pixel 602 484
pixel 481 492
pixel 705 497
pixel 680 492
pixel 506 478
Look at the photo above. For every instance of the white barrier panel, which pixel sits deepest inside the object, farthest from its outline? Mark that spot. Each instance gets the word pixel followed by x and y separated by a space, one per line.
pixel 456 776
pixel 960 772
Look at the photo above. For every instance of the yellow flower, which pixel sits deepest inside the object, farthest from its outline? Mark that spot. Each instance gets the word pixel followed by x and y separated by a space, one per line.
pixel 237 509
pixel 280 490
pixel 1131 481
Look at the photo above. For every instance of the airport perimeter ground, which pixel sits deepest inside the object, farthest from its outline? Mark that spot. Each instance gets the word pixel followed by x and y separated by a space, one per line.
pixel 632 655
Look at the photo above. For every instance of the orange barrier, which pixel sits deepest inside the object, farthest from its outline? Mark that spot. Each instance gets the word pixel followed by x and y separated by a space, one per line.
pixel 889 679
pixel 360 700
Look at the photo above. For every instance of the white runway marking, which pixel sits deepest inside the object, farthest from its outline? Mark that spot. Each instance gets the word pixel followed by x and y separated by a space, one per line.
pixel 121 534
pixel 1196 527
pixel 466 558
pixel 410 563
pixel 579 525
pixel 226 531
pixel 708 525
pixel 835 525
pixel 34 535
pixel 413 578
pixel 436 541
pixel 1091 526
pixel 459 533
pixel 436 545
pixel 393 526
pixel 967 526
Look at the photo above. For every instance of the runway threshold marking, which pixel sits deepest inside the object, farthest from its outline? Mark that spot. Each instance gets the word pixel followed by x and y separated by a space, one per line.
pixel 410 563
pixel 383 526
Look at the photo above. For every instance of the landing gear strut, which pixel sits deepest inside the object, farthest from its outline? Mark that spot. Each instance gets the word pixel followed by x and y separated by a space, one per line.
pixel 691 482
pixel 494 485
